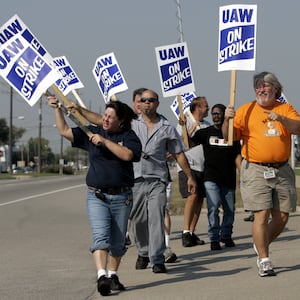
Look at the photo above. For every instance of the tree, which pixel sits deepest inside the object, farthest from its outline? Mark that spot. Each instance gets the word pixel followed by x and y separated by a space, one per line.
pixel 47 156
pixel 4 132
pixel 17 133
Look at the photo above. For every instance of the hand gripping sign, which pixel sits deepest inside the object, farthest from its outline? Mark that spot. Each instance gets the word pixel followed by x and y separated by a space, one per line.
pixel 175 74
pixel 26 65
pixel 237 44
pixel 108 76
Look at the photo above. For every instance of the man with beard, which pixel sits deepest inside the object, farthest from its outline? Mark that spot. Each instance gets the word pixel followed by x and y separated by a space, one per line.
pixel 267 181
pixel 219 178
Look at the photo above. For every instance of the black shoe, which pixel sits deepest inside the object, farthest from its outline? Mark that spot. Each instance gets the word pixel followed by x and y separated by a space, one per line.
pixel 103 285
pixel 228 242
pixel 127 240
pixel 187 240
pixel 141 262
pixel 215 246
pixel 196 240
pixel 249 219
pixel 159 268
pixel 115 284
pixel 170 256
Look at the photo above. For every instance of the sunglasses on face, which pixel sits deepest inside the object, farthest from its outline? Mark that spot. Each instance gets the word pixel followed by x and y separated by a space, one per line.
pixel 151 100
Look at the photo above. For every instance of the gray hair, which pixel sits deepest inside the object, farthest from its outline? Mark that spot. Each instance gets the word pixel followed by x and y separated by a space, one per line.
pixel 269 78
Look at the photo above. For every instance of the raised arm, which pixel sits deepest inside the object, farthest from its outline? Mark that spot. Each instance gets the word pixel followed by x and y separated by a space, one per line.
pixel 61 125
pixel 92 117
pixel 229 114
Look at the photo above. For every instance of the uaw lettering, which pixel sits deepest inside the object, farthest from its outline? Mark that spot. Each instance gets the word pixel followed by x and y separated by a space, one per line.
pixel 172 53
pixel 102 63
pixel 237 40
pixel 10 30
pixel 176 74
pixel 27 72
pixel 16 26
pixel 10 52
pixel 237 15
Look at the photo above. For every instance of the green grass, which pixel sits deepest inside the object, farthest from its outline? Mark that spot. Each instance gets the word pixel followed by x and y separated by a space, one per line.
pixel 297 172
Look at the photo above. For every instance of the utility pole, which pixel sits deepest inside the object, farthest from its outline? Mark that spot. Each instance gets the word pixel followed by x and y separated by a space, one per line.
pixel 61 159
pixel 40 137
pixel 179 21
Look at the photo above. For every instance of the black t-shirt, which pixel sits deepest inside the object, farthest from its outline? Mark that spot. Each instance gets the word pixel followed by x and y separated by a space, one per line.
pixel 219 164
pixel 106 169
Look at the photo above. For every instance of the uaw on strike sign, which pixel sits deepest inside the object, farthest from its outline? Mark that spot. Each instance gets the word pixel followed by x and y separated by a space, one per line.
pixel 24 63
pixel 237 37
pixel 108 76
pixel 174 69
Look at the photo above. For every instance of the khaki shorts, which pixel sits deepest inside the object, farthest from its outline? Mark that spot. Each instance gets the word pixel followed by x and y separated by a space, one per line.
pixel 277 193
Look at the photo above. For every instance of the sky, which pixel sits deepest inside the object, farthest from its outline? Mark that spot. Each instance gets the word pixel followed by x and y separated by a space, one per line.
pixel 84 30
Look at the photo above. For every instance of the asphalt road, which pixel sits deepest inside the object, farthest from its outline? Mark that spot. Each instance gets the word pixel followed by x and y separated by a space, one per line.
pixel 44 240
pixel 44 254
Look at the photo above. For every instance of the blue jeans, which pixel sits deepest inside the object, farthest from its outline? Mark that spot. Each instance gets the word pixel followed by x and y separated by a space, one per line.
pixel 108 220
pixel 217 196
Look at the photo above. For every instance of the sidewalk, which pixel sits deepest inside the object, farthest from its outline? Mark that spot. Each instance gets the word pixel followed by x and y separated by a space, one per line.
pixel 227 274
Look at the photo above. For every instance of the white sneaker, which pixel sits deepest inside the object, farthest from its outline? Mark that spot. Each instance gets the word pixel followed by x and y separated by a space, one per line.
pixel 257 258
pixel 266 269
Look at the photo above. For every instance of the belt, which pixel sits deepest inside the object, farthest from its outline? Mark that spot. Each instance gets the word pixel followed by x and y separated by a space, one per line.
pixel 112 191
pixel 271 165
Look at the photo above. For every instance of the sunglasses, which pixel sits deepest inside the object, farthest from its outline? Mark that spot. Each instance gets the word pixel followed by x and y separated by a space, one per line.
pixel 151 100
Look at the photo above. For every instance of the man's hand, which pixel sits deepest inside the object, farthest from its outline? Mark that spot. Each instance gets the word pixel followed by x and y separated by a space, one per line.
pixel 52 101
pixel 229 112
pixel 192 185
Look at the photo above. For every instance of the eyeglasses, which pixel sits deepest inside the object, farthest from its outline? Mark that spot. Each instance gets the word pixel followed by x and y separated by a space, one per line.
pixel 215 113
pixel 151 100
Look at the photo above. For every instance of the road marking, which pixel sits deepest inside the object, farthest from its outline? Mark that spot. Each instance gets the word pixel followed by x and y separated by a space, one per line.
pixel 40 195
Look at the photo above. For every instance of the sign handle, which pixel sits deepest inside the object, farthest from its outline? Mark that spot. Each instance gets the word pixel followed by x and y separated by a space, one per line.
pixel 74 92
pixel 184 131
pixel 73 115
pixel 67 102
pixel 231 102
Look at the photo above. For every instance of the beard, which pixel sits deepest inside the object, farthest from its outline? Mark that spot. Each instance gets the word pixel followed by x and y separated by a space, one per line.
pixel 263 99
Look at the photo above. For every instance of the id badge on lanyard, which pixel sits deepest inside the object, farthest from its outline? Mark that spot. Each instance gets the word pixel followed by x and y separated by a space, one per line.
pixel 269 174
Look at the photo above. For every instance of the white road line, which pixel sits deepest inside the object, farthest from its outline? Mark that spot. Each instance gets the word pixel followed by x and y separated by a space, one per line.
pixel 40 195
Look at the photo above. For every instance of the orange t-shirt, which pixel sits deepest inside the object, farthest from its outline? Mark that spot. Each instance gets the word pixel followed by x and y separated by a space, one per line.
pixel 264 140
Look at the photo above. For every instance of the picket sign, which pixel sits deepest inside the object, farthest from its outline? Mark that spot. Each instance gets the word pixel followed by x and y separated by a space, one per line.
pixel 237 45
pixel 75 116
pixel 231 102
pixel 182 117
pixel 74 92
